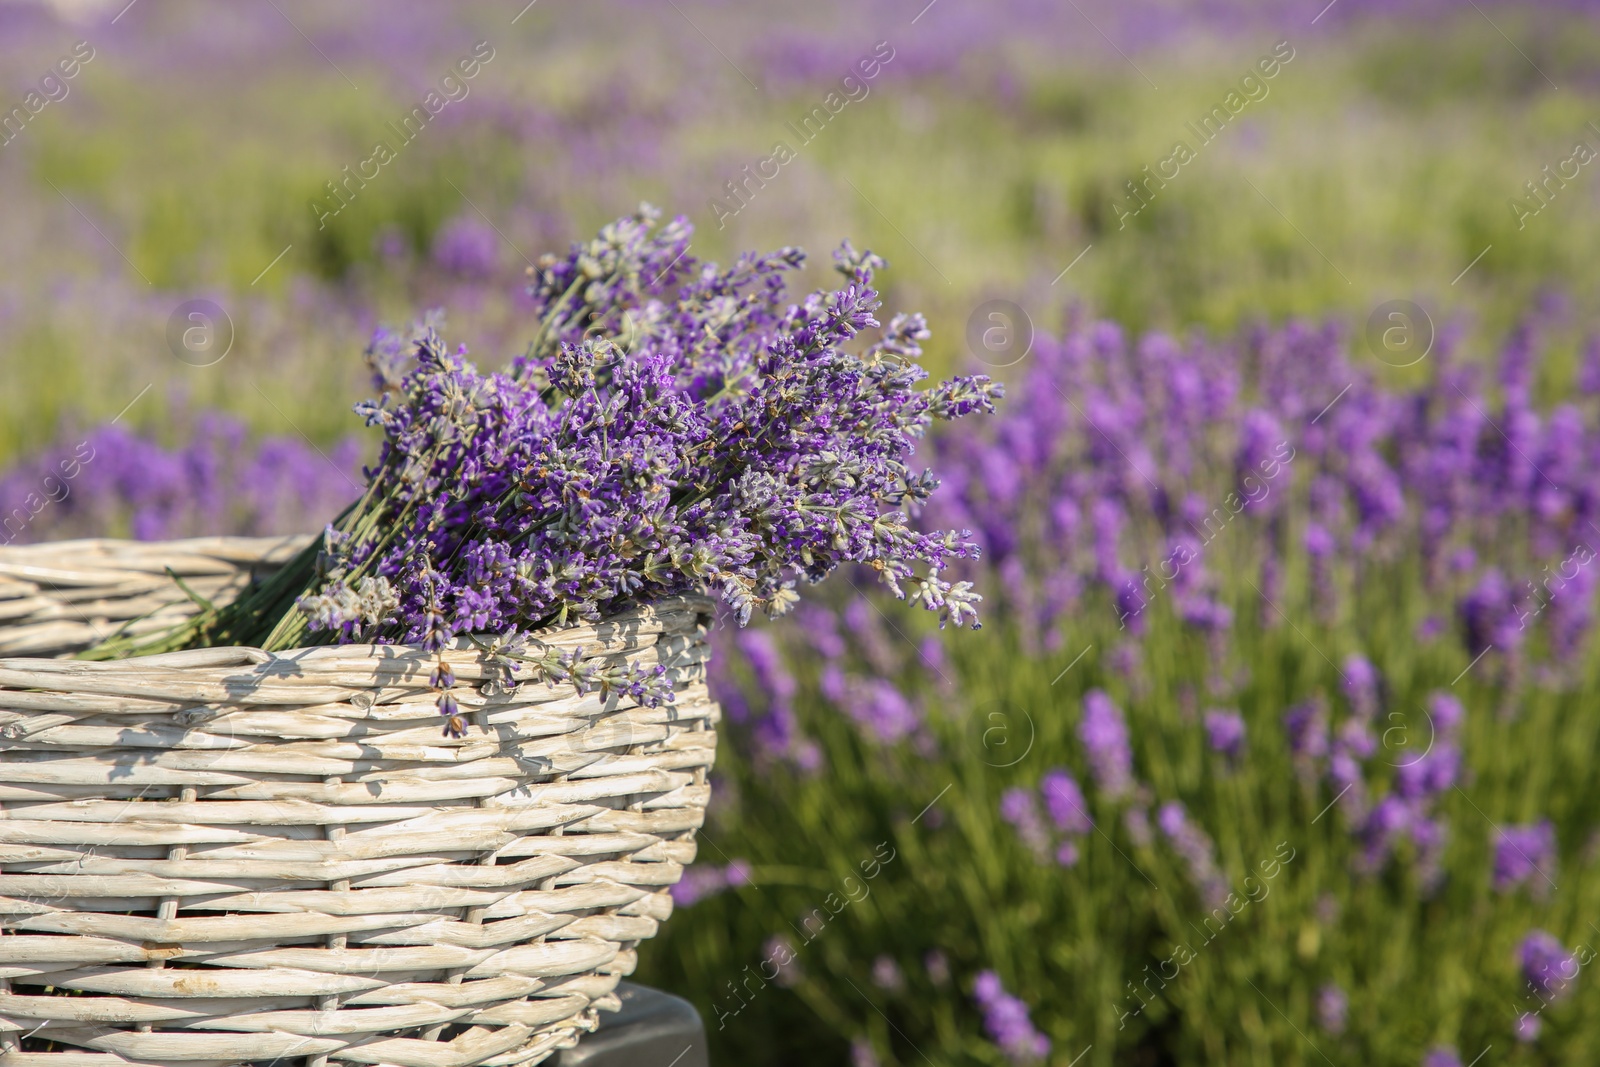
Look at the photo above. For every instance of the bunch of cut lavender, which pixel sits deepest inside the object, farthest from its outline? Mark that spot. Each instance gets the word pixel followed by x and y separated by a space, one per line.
pixel 734 447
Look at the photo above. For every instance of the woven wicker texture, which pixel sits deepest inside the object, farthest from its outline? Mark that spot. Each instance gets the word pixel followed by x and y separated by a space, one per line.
pixel 63 596
pixel 228 856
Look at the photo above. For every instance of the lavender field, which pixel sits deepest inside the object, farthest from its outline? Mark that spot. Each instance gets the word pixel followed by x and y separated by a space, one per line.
pixel 1276 744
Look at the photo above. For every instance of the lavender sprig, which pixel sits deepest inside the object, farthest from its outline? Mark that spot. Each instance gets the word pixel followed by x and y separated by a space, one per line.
pixel 673 429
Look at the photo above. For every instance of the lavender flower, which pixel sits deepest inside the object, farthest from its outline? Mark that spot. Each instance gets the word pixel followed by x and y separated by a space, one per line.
pixel 886 974
pixel 1137 822
pixel 1333 1008
pixel 1005 1019
pixel 1525 855
pixel 1018 808
pixel 113 482
pixel 1441 1056
pixel 1528 1027
pixel 780 952
pixel 1446 714
pixel 467 248
pixel 1547 966
pixel 1430 774
pixel 938 967
pixel 738 448
pixel 882 709
pixel 1064 802
pixel 1105 739
pixel 1360 685
pixel 698 883
pixel 1307 727
pixel 1191 843
pixel 1225 733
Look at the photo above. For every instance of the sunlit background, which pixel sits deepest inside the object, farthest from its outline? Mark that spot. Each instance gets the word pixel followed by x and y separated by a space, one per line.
pixel 1363 228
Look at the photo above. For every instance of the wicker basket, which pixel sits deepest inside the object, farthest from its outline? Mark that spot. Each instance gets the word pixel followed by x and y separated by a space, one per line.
pixel 59 597
pixel 228 856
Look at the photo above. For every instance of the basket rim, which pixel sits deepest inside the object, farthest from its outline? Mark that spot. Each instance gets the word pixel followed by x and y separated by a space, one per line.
pixel 246 656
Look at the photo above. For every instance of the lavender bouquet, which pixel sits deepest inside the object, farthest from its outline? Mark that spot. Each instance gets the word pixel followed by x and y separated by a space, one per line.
pixel 672 428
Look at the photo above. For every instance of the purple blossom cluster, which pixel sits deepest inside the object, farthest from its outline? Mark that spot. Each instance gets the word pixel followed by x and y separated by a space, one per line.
pixel 1225 733
pixel 1333 1009
pixel 467 248
pixel 1345 758
pixel 1192 844
pixel 1005 1020
pixel 1525 855
pixel 1104 735
pixel 1547 966
pixel 1068 812
pixel 672 428
pixel 737 446
pixel 1120 467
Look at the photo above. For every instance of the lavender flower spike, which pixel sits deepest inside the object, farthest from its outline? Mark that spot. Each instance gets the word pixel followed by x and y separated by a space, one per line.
pixel 1105 739
pixel 1225 733
pixel 1005 1019
pixel 1525 855
pixel 1546 965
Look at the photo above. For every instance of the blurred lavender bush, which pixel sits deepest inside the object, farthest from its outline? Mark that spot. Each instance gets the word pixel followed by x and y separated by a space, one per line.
pixel 1276 746
pixel 112 482
pixel 587 110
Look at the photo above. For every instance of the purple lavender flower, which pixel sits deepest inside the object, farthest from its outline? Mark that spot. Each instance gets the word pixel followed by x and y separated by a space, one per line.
pixel 1307 727
pixel 1005 1019
pixel 1137 822
pixel 589 477
pixel 1430 774
pixel 1333 1008
pixel 1225 733
pixel 1589 368
pixel 467 248
pixel 886 974
pixel 780 952
pixel 885 712
pixel 1018 808
pixel 1389 821
pixel 1191 843
pixel 111 481
pixel 1446 714
pixel 1105 739
pixel 1065 803
pixel 1546 965
pixel 701 882
pixel 1491 615
pixel 1441 1056
pixel 1528 1027
pixel 1360 685
pixel 776 731
pixel 861 1054
pixel 1525 855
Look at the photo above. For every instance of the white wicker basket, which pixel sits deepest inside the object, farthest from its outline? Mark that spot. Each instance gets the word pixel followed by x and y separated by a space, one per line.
pixel 228 856
pixel 62 596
